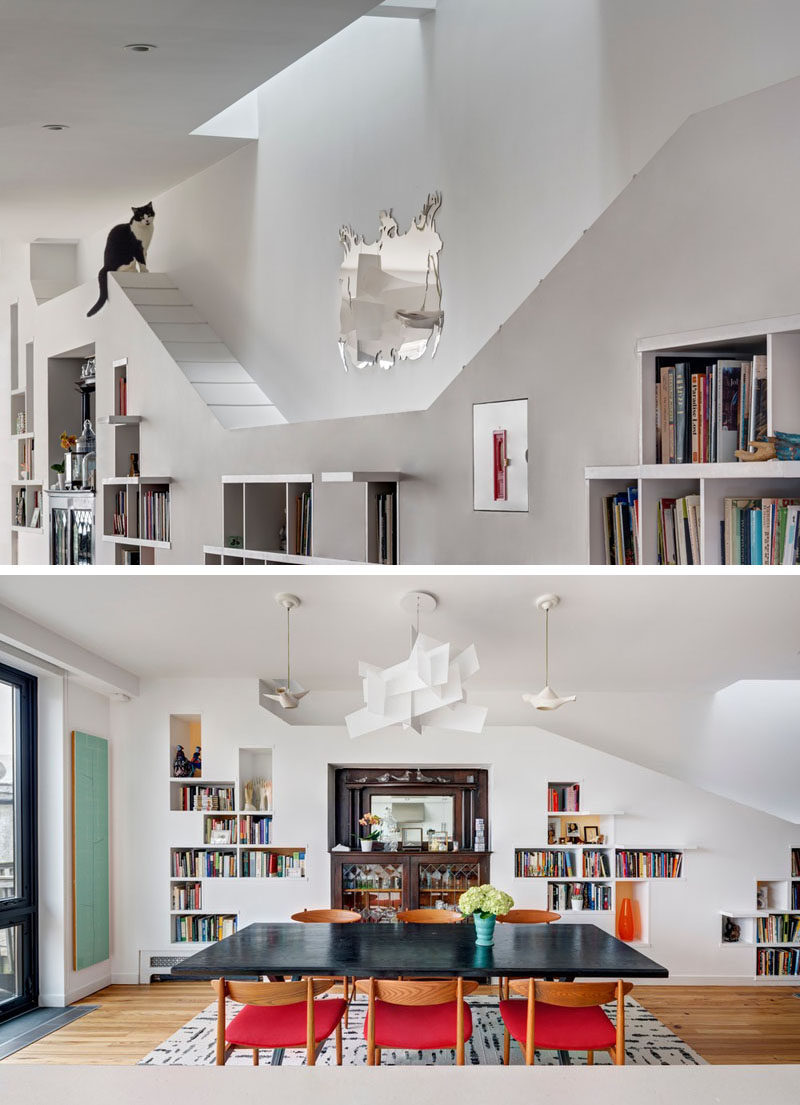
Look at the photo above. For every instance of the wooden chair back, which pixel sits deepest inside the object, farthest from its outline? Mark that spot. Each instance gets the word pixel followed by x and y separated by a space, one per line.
pixel 528 917
pixel 416 992
pixel 327 916
pixel 268 993
pixel 573 995
pixel 429 916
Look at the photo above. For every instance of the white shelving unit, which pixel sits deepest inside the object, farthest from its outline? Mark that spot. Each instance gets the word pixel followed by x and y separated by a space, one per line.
pixel 345 508
pixel 771 925
pixel 125 490
pixel 581 857
pixel 221 897
pixel 779 340
pixel 26 490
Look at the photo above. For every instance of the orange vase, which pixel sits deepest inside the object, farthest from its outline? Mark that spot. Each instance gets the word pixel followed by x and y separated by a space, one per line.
pixel 625 926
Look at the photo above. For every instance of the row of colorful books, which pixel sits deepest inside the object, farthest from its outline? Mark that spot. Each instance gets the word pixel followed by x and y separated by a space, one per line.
pixel 302 521
pixel 188 896
pixel 779 928
pixel 210 798
pixel 155 514
pixel 254 830
pixel 648 865
pixel 621 526
pixel 120 515
pixel 706 410
pixel 564 798
pixel 189 863
pixel 203 930
pixel 273 865
pixel 679 531
pixel 761 531
pixel 596 865
pixel 544 864
pixel 595 896
pixel 777 961
pixel 219 830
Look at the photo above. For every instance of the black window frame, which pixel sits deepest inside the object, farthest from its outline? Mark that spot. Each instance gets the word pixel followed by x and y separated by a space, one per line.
pixel 22 910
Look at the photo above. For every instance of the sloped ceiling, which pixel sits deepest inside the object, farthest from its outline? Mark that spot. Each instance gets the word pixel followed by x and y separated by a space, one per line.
pixel 666 667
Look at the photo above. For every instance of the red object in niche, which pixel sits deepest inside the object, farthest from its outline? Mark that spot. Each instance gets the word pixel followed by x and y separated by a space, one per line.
pixel 500 464
pixel 625 924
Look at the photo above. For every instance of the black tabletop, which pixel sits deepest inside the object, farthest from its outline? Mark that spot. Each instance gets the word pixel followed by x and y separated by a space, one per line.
pixel 388 950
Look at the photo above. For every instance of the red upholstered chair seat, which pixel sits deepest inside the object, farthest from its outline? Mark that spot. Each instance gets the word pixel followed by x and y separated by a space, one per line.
pixel 418 1027
pixel 283 1025
pixel 559 1028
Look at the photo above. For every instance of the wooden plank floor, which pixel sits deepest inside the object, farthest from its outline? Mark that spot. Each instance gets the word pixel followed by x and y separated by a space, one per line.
pixel 725 1024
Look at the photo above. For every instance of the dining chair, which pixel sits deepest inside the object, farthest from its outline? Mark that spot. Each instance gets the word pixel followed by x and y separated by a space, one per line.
pixel 565 1016
pixel 429 916
pixel 278 1015
pixel 523 917
pixel 332 917
pixel 417 1015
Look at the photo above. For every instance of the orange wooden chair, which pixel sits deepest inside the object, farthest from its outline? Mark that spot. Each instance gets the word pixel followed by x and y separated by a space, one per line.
pixel 417 1015
pixel 429 916
pixel 524 917
pixel 332 917
pixel 278 1014
pixel 565 1016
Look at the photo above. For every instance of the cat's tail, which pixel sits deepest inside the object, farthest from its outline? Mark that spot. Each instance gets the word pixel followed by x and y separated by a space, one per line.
pixel 102 279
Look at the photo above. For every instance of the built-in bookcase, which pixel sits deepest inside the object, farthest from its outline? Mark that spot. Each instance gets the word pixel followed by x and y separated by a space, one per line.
pixel 221 843
pixel 777 340
pixel 27 498
pixel 770 925
pixel 303 518
pixel 581 852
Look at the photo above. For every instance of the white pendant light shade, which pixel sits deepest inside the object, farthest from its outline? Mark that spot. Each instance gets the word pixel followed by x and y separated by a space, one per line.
pixel 427 688
pixel 547 699
pixel 282 689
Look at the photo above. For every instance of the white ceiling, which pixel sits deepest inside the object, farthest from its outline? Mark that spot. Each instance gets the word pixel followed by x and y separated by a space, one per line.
pixel 130 115
pixel 634 634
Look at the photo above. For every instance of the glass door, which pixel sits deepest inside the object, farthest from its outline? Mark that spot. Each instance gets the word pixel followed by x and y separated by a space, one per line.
pixel 18 900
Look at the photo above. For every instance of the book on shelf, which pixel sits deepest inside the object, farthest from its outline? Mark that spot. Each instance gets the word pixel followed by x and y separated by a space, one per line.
pixel 563 798
pixel 254 830
pixel 596 865
pixel 760 531
pixel 706 409
pixel 203 930
pixel 155 514
pixel 19 507
pixel 219 830
pixel 544 864
pixel 187 896
pixel 596 896
pixel 197 796
pixel 302 519
pixel 679 530
pixel 122 395
pixel 796 863
pixel 621 526
pixel 778 961
pixel 386 527
pixel 649 864
pixel 120 515
pixel 778 928
pixel 273 865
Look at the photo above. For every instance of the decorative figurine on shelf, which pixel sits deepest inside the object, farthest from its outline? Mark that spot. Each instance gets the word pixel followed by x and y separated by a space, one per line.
pixel 197 763
pixel 731 932
pixel 181 768
pixel 248 797
pixel 133 470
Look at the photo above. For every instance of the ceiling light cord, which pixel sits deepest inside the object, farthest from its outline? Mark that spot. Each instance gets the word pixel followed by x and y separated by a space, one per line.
pixel 547 648
pixel 288 648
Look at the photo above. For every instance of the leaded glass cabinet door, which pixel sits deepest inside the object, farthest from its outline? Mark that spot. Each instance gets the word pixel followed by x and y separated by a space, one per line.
pixel 375 890
pixel 441 882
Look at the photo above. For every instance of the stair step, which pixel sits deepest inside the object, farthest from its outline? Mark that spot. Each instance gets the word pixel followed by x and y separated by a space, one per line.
pixel 169 312
pixel 177 331
pixel 199 351
pixel 166 297
pixel 213 372
pixel 241 418
pixel 143 279
pixel 231 395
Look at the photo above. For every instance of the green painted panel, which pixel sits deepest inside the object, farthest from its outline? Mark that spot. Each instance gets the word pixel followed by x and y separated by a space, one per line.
pixel 90 849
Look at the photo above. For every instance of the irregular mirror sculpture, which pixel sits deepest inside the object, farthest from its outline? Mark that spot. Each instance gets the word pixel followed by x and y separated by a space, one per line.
pixel 391 293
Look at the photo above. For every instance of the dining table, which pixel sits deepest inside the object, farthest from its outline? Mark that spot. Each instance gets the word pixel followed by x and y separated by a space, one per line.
pixel 276 950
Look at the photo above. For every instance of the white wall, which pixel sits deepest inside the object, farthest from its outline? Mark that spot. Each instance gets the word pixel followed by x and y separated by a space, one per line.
pixel 736 844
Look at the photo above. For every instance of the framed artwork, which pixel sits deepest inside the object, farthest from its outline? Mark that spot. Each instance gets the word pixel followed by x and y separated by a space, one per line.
pixel 500 455
pixel 90 850
pixel 591 834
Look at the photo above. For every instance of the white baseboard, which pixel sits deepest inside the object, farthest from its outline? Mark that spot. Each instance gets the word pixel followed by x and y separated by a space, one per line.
pixel 53 1001
pixel 717 980
pixel 128 978
pixel 86 989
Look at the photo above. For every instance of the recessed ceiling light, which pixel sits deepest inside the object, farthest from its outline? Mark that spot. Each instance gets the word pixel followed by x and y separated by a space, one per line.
pixel 55 126
pixel 141 47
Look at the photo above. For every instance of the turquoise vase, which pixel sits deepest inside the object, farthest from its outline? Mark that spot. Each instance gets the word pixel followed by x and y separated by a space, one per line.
pixel 484 930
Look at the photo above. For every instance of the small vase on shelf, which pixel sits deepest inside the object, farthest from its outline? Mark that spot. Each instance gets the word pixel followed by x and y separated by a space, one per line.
pixel 625 923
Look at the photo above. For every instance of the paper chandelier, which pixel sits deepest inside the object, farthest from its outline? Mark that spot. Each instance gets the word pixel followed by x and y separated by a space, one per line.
pixel 427 688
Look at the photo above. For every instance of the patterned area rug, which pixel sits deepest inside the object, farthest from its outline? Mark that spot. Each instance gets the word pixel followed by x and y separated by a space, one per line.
pixel 648 1043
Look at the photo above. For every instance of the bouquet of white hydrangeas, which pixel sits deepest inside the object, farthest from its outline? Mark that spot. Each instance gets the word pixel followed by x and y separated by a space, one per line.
pixel 485 900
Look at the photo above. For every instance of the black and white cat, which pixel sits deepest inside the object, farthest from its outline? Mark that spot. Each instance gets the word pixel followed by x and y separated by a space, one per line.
pixel 126 249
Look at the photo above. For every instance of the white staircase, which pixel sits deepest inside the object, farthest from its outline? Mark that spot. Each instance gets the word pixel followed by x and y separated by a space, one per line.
pixel 226 388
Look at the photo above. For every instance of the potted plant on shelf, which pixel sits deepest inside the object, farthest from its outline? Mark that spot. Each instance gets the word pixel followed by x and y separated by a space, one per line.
pixel 486 903
pixel 369 823
pixel 59 471
pixel 577 896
